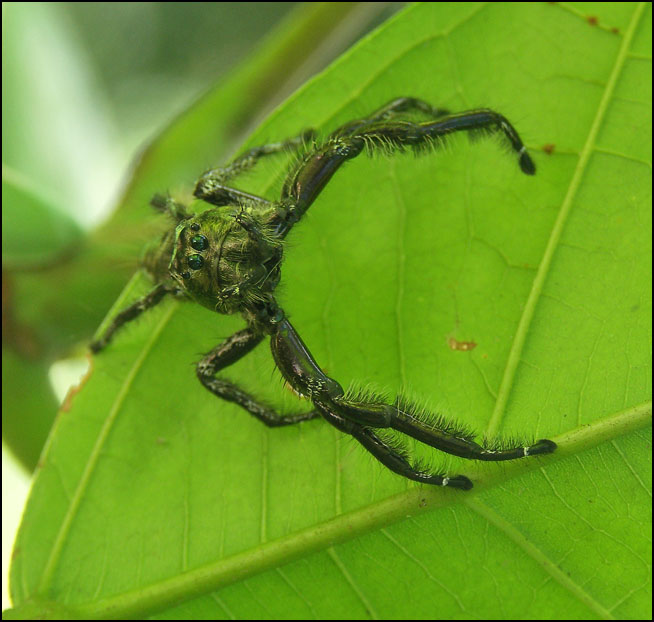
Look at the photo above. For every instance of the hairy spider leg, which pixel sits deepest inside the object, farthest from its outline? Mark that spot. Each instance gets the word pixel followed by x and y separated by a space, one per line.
pixel 392 457
pixel 431 430
pixel 227 353
pixel 301 371
pixel 150 300
pixel 405 104
pixel 356 417
pixel 485 120
pixel 390 110
pixel 396 461
pixel 317 167
pixel 404 420
pixel 211 185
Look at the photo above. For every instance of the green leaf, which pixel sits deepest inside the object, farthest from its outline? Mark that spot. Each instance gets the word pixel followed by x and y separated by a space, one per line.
pixel 35 232
pixel 156 498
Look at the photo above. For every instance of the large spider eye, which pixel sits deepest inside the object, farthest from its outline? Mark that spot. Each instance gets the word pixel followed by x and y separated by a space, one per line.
pixel 195 262
pixel 199 242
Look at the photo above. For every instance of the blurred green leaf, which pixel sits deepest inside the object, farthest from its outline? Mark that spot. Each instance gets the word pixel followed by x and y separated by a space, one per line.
pixel 26 390
pixel 153 493
pixel 34 231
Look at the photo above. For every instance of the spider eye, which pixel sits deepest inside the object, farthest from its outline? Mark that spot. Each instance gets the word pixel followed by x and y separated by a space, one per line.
pixel 195 226
pixel 195 262
pixel 186 275
pixel 199 242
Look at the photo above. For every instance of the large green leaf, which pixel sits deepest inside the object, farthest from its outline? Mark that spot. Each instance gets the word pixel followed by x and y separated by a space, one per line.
pixel 152 493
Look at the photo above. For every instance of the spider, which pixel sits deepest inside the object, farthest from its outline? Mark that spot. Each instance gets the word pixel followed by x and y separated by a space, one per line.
pixel 228 259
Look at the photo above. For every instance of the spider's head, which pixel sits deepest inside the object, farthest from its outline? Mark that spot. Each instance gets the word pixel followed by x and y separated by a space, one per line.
pixel 225 259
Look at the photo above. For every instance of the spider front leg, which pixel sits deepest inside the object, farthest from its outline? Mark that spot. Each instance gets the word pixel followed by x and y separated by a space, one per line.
pixel 359 414
pixel 227 353
pixel 385 131
pixel 299 368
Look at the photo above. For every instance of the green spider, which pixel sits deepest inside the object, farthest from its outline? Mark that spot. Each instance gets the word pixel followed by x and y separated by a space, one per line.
pixel 228 259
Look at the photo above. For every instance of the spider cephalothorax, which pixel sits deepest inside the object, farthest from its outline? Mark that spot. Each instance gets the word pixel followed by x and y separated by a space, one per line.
pixel 228 259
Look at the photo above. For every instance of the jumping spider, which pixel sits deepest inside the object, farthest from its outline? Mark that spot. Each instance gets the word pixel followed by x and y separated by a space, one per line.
pixel 228 259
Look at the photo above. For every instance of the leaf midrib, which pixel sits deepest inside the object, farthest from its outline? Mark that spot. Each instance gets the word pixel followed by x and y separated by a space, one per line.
pixel 143 601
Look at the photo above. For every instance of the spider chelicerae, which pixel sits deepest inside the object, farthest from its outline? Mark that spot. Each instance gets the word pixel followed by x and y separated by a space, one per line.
pixel 228 259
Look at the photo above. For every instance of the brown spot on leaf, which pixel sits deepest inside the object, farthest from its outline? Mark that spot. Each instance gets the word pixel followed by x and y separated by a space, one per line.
pixel 462 346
